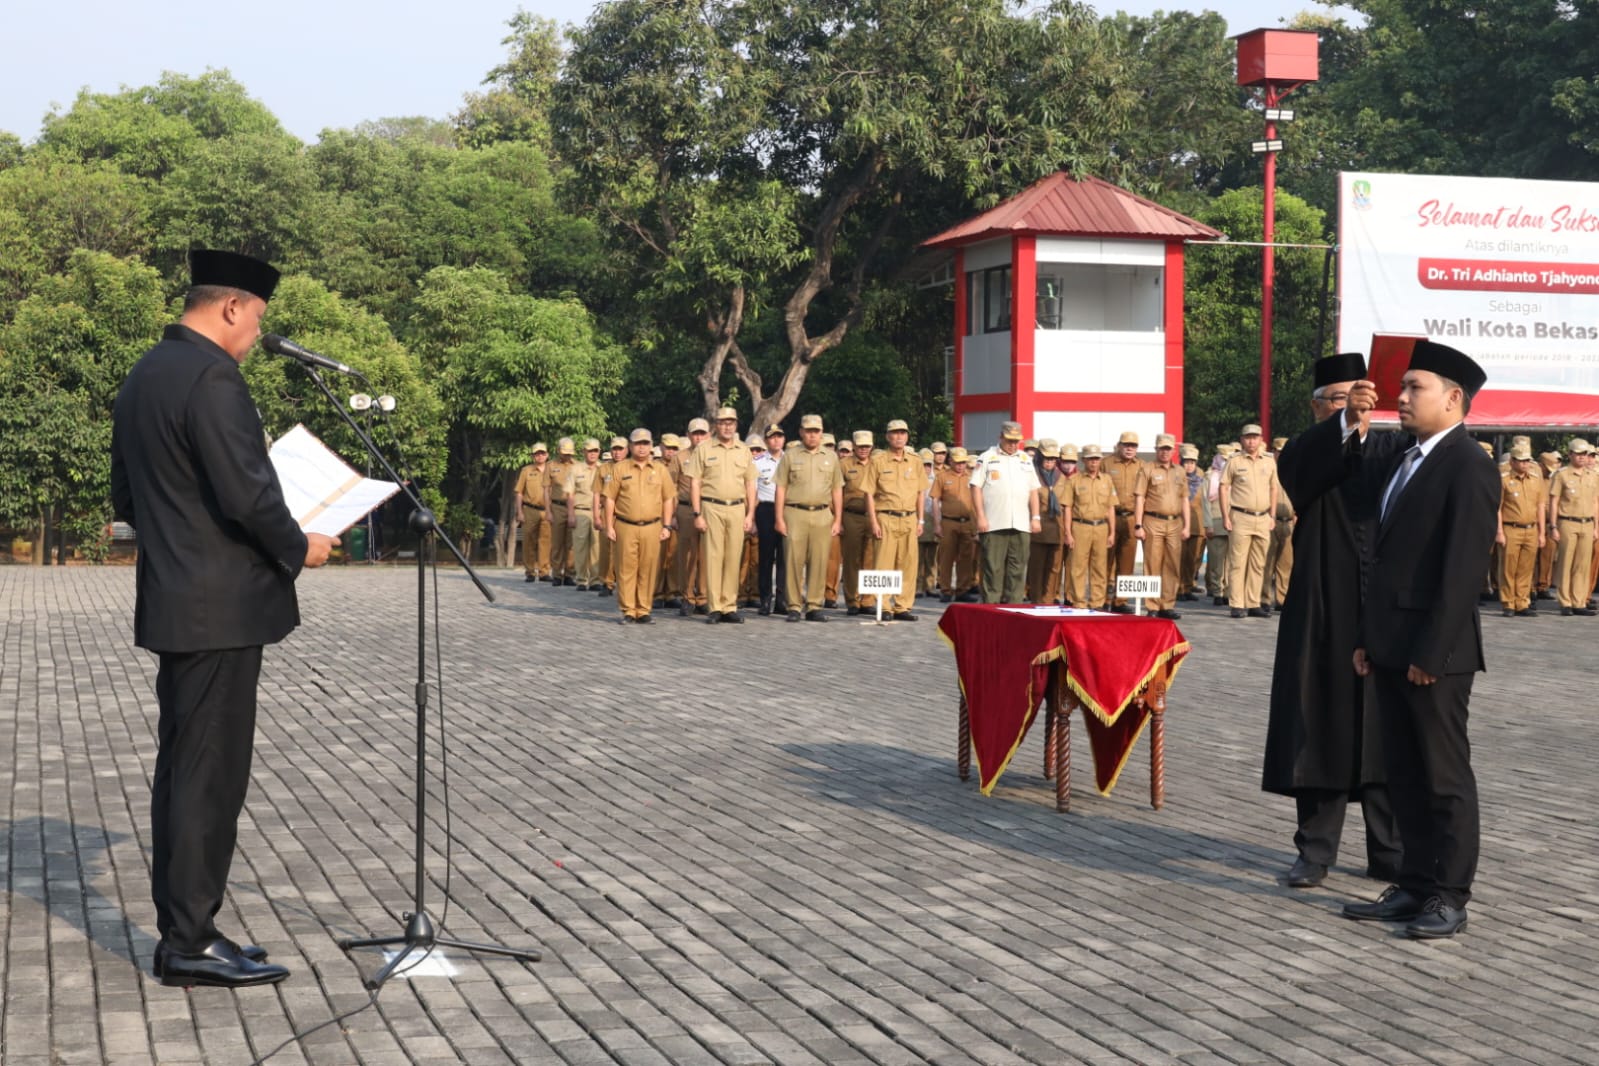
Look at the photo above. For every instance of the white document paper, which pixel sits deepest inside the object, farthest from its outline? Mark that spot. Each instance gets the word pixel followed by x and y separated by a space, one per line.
pixel 323 493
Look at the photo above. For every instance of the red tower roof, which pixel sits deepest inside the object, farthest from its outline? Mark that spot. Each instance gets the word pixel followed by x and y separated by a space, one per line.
pixel 1062 205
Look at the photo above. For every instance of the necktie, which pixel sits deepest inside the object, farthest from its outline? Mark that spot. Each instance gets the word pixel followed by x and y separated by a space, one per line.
pixel 1401 476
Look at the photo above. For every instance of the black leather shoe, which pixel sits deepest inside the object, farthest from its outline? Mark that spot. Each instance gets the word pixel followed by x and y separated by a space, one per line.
pixel 1306 874
pixel 1218 601
pixel 1123 608
pixel 732 616
pixel 794 616
pixel 569 581
pixel 766 607
pixel 684 609
pixel 1546 594
pixel 713 618
pixel 1259 612
pixel 1585 612
pixel 1394 905
pixel 903 616
pixel 1529 612
pixel 944 597
pixel 1508 613
pixel 603 591
pixel 248 951
pixel 1437 921
pixel 672 601
pixel 219 965
pixel 643 620
pixel 970 597
pixel 700 608
pixel 1565 612
pixel 1173 615
pixel 1237 612
pixel 529 577
pixel 627 619
pixel 815 616
pixel 852 611
pixel 830 604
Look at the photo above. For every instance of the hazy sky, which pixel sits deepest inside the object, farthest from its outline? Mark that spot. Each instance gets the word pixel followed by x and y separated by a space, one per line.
pixel 332 63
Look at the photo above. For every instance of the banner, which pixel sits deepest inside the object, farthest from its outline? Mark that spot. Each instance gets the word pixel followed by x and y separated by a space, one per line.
pixel 1505 270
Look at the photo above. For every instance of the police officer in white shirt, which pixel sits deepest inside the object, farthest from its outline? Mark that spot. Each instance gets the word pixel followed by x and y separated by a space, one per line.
pixel 1006 500
pixel 769 544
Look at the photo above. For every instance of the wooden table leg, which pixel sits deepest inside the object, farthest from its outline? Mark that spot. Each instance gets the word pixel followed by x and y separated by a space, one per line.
pixel 1050 714
pixel 1063 748
pixel 1156 698
pixel 963 744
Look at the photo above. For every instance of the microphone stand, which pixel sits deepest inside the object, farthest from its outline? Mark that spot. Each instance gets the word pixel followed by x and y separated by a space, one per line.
pixel 419 933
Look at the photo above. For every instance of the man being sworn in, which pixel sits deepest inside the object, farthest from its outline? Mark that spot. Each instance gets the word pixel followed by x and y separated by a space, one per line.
pixel 218 556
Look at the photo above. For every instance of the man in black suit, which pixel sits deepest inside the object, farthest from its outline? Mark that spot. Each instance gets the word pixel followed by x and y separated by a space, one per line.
pixel 218 556
pixel 1434 497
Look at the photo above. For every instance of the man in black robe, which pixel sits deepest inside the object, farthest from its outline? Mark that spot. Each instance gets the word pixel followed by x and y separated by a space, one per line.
pixel 218 556
pixel 1323 744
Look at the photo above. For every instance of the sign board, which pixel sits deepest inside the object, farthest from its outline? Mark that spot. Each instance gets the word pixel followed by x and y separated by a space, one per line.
pixel 1505 270
pixel 885 582
pixel 1135 587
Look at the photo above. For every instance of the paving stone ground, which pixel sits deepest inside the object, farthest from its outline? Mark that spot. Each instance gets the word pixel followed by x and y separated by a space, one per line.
pixel 742 845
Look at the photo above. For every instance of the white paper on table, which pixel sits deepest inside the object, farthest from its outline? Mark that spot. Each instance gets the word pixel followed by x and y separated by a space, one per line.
pixel 1058 612
pixel 324 494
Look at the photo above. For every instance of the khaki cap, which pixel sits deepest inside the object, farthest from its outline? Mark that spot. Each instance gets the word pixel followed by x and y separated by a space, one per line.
pixel 726 412
pixel 844 446
pixel 755 442
pixel 939 446
pixel 1165 440
pixel 541 447
pixel 811 422
pixel 1191 451
pixel 1251 430
pixel 1091 451
pixel 565 446
pixel 775 430
pixel 1578 446
pixel 699 425
pixel 1068 452
pixel 863 438
pixel 656 451
pixel 1011 431
pixel 1129 437
pixel 926 454
pixel 1030 445
pixel 1550 459
pixel 1485 446
pixel 1520 439
pixel 621 442
pixel 898 424
pixel 1522 452
pixel 957 454
pixel 828 438
pixel 591 445
pixel 1048 448
pixel 638 435
pixel 1277 443
pixel 671 440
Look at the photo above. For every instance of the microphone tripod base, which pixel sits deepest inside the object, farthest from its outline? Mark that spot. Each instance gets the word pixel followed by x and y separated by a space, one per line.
pixel 419 937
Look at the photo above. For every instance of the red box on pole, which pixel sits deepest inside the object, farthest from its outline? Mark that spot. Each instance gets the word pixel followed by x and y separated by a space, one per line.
pixel 1277 56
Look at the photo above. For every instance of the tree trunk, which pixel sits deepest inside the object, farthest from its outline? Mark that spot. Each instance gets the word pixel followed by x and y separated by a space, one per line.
pixel 724 329
pixel 41 528
pixel 505 540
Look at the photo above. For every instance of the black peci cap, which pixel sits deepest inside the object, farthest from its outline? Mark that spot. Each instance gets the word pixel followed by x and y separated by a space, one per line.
pixel 232 270
pixel 1446 362
pixel 1345 366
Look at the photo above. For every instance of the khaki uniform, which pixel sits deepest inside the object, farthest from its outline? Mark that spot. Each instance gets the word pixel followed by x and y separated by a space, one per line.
pixel 895 484
pixel 927 542
pixel 856 546
pixel 584 479
pixel 640 497
pixel 687 581
pixel 1574 495
pixel 1194 546
pixel 668 553
pixel 957 532
pixel 1091 501
pixel 1280 551
pixel 1128 477
pixel 535 520
pixel 556 477
pixel 605 568
pixel 807 480
pixel 1545 578
pixel 1251 483
pixel 1520 508
pixel 1218 549
pixel 1165 499
pixel 1045 548
pixel 726 473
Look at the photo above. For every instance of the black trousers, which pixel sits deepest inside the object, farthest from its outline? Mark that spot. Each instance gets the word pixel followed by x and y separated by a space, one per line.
pixel 1430 780
pixel 769 553
pixel 1321 825
pixel 202 771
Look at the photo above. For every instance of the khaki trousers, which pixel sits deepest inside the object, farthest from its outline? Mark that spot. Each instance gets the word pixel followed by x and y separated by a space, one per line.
pixel 747 585
pixel 535 541
pixel 1546 564
pixel 1218 557
pixel 1043 572
pixel 724 548
pixel 1193 548
pixel 1521 558
pixel 1279 561
pixel 835 559
pixel 688 581
pixel 858 550
pixel 637 553
pixel 1087 586
pixel 1163 558
pixel 1124 555
pixel 1246 569
pixel 956 566
pixel 585 549
pixel 897 551
pixel 809 541
pixel 605 569
pixel 1573 560
pixel 560 542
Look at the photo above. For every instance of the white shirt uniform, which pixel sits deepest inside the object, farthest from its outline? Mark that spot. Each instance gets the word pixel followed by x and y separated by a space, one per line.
pixel 766 477
pixel 1006 482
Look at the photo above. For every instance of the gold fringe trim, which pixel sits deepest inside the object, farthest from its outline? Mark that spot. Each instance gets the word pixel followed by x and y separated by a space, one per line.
pixel 1088 702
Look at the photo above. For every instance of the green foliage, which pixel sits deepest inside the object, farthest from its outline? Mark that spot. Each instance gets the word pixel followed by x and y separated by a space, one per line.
pixel 50 208
pixel 862 386
pixel 517 103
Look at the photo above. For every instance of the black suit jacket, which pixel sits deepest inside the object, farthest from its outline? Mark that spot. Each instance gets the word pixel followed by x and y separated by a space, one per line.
pixel 218 549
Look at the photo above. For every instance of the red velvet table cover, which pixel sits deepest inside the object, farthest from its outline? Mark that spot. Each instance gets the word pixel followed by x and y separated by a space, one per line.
pixel 1003 654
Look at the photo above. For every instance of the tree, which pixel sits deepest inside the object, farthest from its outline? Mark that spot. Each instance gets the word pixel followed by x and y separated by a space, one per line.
pixel 517 104
pixel 51 207
pixel 768 156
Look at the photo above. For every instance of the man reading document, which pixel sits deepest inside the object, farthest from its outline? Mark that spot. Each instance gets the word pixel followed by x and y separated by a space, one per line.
pixel 218 556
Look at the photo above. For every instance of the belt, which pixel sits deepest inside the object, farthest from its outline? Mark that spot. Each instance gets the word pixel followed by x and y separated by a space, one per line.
pixel 646 522
pixel 1522 525
pixel 557 503
pixel 584 510
pixel 898 514
pixel 684 501
pixel 952 518
pixel 1257 514
pixel 724 503
pixel 807 506
pixel 855 510
pixel 534 506
pixel 1152 514
pixel 1090 521
pixel 1568 518
pixel 1121 513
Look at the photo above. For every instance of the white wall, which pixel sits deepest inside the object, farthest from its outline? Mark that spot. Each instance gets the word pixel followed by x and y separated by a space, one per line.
pixel 986 254
pixel 1094 250
pixel 1100 427
pixel 986 361
pixel 1071 361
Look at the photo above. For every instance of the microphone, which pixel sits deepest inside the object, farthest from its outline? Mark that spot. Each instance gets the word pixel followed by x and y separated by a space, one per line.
pixel 283 346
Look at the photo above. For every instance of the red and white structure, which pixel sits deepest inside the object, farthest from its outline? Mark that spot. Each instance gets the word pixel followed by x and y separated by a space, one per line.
pixel 1069 314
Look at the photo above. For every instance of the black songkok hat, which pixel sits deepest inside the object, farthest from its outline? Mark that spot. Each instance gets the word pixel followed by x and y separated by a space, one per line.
pixel 232 270
pixel 1446 362
pixel 1345 366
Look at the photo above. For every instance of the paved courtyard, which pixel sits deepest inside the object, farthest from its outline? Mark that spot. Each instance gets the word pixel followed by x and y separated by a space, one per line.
pixel 748 845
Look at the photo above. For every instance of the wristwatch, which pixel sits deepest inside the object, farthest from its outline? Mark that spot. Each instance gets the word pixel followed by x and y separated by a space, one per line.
pixel 696 514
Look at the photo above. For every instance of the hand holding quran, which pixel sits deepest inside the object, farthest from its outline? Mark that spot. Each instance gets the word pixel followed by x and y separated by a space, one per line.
pixel 323 492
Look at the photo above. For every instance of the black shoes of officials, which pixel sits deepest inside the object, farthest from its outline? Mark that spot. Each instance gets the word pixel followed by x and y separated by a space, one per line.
pixel 1306 874
pixel 1425 919
pixel 223 964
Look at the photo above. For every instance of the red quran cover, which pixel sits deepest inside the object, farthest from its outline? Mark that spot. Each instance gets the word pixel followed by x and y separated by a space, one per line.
pixel 1390 358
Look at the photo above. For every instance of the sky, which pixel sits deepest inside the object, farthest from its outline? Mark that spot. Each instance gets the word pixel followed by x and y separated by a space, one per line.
pixel 317 64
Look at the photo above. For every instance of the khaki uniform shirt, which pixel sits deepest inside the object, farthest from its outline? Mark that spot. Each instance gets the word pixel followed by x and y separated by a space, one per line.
pixel 530 485
pixel 557 476
pixel 894 481
pixel 1519 498
pixel 677 467
pixel 953 491
pixel 1129 478
pixel 640 492
pixel 1250 482
pixel 854 472
pixel 723 470
pixel 1090 496
pixel 1575 492
pixel 1165 490
pixel 808 477
pixel 580 485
